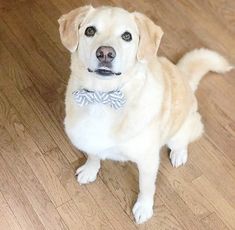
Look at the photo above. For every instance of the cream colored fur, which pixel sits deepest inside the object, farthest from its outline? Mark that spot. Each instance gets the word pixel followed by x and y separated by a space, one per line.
pixel 197 63
pixel 161 107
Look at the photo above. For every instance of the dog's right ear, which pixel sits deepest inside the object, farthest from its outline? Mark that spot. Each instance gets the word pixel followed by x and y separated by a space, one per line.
pixel 69 26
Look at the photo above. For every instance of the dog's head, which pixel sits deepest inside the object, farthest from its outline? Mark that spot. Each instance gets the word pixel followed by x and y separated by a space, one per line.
pixel 109 41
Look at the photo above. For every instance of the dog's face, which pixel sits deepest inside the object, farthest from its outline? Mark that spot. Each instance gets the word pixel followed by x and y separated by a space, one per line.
pixel 109 40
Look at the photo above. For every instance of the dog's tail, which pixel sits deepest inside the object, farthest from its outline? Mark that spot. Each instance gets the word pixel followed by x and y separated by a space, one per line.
pixel 198 62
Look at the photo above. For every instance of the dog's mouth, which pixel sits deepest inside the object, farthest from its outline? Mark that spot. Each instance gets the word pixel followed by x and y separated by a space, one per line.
pixel 104 71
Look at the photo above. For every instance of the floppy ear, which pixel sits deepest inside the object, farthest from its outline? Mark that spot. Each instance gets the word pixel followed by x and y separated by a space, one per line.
pixel 150 37
pixel 69 26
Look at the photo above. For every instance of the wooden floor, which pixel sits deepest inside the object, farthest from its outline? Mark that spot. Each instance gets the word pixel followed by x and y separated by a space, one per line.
pixel 38 189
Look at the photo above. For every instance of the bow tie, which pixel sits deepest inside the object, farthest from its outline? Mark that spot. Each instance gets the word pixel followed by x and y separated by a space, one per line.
pixel 115 99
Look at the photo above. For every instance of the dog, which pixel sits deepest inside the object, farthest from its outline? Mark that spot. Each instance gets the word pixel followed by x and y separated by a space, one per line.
pixel 123 102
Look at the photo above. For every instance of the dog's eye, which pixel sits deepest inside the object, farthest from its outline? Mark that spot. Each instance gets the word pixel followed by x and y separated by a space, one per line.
pixel 90 31
pixel 126 36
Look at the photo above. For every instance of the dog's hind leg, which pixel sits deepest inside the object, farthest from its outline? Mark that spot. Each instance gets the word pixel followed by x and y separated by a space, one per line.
pixel 88 172
pixel 178 144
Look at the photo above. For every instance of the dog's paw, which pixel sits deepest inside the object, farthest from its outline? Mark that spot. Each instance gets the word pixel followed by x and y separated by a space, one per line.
pixel 178 157
pixel 86 174
pixel 142 211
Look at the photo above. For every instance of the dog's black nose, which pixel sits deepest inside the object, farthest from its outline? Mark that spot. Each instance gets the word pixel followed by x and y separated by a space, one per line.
pixel 105 54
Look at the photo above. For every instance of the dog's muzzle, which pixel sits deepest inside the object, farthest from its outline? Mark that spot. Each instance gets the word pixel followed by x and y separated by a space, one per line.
pixel 105 55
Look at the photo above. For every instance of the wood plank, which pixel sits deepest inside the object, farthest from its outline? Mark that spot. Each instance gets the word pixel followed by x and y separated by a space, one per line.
pixel 35 159
pixel 110 205
pixel 30 184
pixel 11 4
pixel 197 203
pixel 54 128
pixel 172 200
pixel 15 197
pixel 122 181
pixel 206 30
pixel 222 10
pixel 44 77
pixel 163 218
pixel 72 217
pixel 46 14
pixel 11 72
pixel 58 109
pixel 29 118
pixel 10 188
pixel 223 208
pixel 35 24
pixel 218 114
pixel 105 204
pixel 7 218
pixel 205 157
pixel 212 222
pixel 93 216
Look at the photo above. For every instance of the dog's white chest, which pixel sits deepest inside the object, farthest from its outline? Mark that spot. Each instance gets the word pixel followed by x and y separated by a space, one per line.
pixel 92 133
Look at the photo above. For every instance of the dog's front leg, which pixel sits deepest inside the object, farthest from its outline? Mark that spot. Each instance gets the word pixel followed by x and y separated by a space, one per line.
pixel 143 208
pixel 87 173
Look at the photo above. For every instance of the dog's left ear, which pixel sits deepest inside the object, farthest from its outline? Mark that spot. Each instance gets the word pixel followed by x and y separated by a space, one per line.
pixel 150 37
pixel 69 26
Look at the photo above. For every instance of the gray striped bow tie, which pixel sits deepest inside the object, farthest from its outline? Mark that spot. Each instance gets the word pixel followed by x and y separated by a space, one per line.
pixel 115 99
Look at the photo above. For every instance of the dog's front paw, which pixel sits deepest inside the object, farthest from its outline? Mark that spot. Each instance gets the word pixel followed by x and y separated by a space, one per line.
pixel 178 157
pixel 86 174
pixel 142 210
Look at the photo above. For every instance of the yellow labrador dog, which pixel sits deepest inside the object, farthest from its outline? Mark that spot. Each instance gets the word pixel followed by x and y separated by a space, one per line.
pixel 123 102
